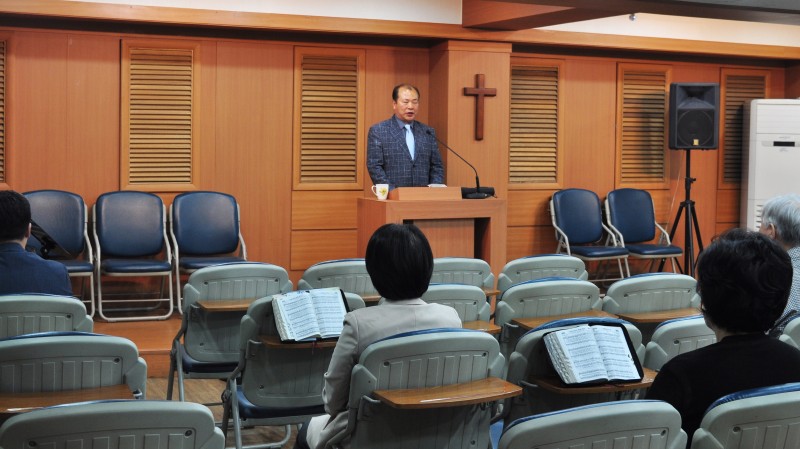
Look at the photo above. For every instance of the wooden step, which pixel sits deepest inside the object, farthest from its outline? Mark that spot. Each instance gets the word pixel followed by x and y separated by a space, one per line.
pixel 153 338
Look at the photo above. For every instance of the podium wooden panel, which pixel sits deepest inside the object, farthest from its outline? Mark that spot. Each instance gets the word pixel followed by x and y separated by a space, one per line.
pixel 485 221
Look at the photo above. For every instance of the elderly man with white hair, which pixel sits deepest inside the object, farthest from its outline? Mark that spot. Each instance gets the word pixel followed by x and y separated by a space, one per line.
pixel 780 219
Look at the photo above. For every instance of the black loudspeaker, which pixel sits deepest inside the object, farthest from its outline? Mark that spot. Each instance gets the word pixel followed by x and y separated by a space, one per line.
pixel 693 116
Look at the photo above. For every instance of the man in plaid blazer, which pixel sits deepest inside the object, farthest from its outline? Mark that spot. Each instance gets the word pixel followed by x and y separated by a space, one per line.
pixel 389 160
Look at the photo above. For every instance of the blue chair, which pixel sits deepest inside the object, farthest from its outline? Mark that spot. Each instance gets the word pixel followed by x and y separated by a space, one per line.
pixel 131 240
pixel 640 423
pixel 631 216
pixel 204 231
pixel 64 217
pixel 540 266
pixel 760 418
pixel 578 219
pixel 207 344
pixel 117 424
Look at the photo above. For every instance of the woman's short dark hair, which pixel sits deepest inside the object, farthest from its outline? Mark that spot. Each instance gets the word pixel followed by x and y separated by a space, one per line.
pixel 15 215
pixel 743 279
pixel 399 261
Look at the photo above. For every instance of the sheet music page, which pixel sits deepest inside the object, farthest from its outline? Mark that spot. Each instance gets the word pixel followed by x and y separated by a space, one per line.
pixel 582 354
pixel 615 352
pixel 296 315
pixel 329 306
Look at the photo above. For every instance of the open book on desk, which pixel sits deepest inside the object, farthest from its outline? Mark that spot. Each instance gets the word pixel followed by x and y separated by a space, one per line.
pixel 310 314
pixel 593 354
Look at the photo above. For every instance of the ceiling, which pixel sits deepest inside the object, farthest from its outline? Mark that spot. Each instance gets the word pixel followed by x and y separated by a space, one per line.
pixel 526 14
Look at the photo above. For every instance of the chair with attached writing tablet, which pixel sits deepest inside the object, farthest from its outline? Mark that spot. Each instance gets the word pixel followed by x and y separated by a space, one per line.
pixel 468 300
pixel 791 333
pixel 33 313
pixel 421 360
pixel 350 275
pixel 761 418
pixel 644 294
pixel 629 424
pixel 66 361
pixel 542 298
pixel 541 266
pixel 280 383
pixel 462 270
pixel 675 337
pixel 530 361
pixel 114 424
pixel 207 343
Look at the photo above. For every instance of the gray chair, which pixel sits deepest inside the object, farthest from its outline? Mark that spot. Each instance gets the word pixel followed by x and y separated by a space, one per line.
pixel 430 358
pixel 468 300
pixel 114 424
pixel 675 337
pixel 207 344
pixel 791 333
pixel 651 292
pixel 462 270
pixel 277 385
pixel 30 313
pixel 64 361
pixel 541 266
pixel 629 424
pixel 348 274
pixel 541 298
pixel 530 359
pixel 761 418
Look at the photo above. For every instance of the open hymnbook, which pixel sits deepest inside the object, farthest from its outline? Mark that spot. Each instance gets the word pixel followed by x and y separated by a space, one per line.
pixel 309 314
pixel 593 354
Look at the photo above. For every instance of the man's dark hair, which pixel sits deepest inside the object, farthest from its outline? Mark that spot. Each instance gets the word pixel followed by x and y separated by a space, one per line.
pixel 396 90
pixel 743 279
pixel 399 261
pixel 15 215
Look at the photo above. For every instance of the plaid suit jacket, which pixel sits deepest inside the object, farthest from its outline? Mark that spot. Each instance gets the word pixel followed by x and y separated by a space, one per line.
pixel 388 159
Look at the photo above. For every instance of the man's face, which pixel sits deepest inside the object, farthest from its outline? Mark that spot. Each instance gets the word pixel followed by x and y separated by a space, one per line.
pixel 405 107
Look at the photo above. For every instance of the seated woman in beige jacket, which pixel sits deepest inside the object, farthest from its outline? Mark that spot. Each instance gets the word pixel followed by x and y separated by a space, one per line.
pixel 400 262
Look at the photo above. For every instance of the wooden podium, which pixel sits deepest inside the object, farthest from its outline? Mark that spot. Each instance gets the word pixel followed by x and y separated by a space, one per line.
pixel 454 227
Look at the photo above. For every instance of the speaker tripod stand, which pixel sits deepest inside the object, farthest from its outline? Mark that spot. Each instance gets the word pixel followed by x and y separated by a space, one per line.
pixel 690 222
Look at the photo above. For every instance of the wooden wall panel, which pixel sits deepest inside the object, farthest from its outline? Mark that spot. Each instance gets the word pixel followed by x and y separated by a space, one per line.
pixel 310 247
pixel 325 210
pixel 589 111
pixel 793 81
pixel 529 240
pixel 253 141
pixel 463 60
pixel 529 207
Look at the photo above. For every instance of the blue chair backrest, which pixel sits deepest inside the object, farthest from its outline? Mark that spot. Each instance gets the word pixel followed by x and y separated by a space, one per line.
pixel 129 223
pixel 631 212
pixel 62 215
pixel 205 222
pixel 579 215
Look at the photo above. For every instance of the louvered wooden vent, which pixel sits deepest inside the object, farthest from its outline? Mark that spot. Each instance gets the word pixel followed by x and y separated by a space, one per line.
pixel 161 91
pixel 329 119
pixel 2 111
pixel 644 109
pixel 739 90
pixel 534 151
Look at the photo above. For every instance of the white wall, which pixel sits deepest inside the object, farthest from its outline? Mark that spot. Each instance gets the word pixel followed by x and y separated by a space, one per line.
pixel 449 12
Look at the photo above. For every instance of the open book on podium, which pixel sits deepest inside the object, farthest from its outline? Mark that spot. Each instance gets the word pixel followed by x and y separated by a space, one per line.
pixel 592 354
pixel 309 315
pixel 425 193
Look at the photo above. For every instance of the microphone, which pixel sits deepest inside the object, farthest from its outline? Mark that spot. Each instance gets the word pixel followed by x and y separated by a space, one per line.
pixel 478 193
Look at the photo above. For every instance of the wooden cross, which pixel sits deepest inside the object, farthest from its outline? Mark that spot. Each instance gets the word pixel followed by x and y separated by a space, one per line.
pixel 479 91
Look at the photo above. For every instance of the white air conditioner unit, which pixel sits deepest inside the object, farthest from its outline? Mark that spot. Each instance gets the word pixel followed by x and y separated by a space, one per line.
pixel 771 155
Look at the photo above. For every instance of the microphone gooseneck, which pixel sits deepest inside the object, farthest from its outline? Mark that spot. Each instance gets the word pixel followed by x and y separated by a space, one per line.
pixel 477 194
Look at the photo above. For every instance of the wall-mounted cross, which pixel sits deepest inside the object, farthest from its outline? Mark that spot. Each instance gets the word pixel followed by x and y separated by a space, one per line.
pixel 479 91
